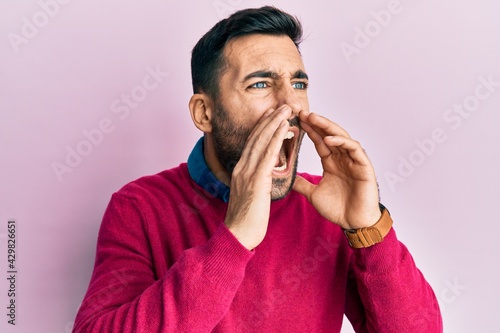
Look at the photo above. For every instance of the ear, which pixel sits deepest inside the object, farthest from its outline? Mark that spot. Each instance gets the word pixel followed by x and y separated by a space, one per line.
pixel 201 108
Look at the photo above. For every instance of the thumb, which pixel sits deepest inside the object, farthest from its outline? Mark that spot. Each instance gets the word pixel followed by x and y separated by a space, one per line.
pixel 304 187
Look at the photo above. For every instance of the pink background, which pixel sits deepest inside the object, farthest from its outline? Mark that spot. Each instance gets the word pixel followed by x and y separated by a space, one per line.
pixel 66 77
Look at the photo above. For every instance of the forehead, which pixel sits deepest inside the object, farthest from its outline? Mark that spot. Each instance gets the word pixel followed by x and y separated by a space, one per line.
pixel 249 53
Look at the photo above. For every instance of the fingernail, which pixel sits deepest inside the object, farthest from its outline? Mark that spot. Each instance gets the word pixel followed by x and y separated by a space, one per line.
pixel 267 113
pixel 284 107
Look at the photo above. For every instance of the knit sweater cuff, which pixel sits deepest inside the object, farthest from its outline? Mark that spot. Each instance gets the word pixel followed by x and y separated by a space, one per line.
pixel 382 257
pixel 225 258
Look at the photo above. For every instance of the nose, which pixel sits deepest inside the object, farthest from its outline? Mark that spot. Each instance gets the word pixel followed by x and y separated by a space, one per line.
pixel 288 95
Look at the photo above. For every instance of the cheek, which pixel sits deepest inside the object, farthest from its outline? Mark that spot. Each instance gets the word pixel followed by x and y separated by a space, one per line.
pixel 248 113
pixel 304 100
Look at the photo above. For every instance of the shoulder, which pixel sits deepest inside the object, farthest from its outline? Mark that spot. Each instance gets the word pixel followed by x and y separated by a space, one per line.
pixel 162 183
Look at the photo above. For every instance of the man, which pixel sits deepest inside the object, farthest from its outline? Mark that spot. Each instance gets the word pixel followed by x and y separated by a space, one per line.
pixel 236 240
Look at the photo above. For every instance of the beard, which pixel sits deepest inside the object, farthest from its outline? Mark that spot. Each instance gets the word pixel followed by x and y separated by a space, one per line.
pixel 230 140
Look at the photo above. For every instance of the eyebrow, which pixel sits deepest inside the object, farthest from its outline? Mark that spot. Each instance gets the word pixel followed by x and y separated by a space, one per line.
pixel 300 74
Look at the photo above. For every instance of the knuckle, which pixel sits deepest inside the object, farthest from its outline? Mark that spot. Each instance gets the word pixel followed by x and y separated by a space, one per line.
pixel 357 144
pixel 260 137
pixel 268 153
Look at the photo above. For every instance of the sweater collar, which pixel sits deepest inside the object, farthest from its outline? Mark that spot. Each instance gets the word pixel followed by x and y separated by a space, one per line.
pixel 201 174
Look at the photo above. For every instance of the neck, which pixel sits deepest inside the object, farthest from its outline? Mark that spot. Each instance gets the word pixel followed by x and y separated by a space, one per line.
pixel 212 160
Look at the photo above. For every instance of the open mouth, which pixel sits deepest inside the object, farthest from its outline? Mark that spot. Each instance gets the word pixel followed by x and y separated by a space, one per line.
pixel 285 157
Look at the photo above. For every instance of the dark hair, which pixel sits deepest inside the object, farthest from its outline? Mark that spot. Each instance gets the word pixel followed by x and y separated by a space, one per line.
pixel 207 58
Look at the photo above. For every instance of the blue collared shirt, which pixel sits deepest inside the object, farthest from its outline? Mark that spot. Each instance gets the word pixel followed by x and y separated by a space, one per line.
pixel 201 174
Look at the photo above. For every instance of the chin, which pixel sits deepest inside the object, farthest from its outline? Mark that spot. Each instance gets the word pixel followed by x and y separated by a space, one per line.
pixel 282 186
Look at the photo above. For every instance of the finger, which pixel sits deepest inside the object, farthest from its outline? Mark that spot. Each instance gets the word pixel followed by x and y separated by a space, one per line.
pixel 349 147
pixel 323 125
pixel 304 187
pixel 265 128
pixel 310 122
pixel 304 118
pixel 265 141
pixel 269 118
pixel 266 158
pixel 317 139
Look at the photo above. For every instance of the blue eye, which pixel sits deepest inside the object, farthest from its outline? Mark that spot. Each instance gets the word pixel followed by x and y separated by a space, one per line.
pixel 299 85
pixel 259 85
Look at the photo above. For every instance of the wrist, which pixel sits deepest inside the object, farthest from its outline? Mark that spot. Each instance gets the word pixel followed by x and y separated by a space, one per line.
pixel 247 237
pixel 368 236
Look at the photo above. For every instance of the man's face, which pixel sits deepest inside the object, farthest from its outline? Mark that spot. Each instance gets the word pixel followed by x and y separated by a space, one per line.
pixel 263 72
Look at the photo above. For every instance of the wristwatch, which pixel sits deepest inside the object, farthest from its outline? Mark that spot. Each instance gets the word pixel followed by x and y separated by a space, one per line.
pixel 366 237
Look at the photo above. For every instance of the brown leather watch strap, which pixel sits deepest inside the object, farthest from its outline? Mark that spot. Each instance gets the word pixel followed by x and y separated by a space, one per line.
pixel 365 237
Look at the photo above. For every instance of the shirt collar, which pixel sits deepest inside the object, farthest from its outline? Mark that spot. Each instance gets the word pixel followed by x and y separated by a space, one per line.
pixel 201 174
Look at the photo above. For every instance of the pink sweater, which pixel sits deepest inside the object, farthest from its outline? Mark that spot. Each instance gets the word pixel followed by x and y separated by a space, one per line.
pixel 165 262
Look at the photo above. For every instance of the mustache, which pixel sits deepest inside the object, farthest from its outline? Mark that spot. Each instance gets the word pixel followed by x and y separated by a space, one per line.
pixel 294 122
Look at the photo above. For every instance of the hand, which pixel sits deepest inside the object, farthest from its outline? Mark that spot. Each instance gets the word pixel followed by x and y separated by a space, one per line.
pixel 251 181
pixel 348 193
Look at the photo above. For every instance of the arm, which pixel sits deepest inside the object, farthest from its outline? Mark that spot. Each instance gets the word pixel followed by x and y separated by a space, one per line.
pixel 124 294
pixel 197 291
pixel 385 292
